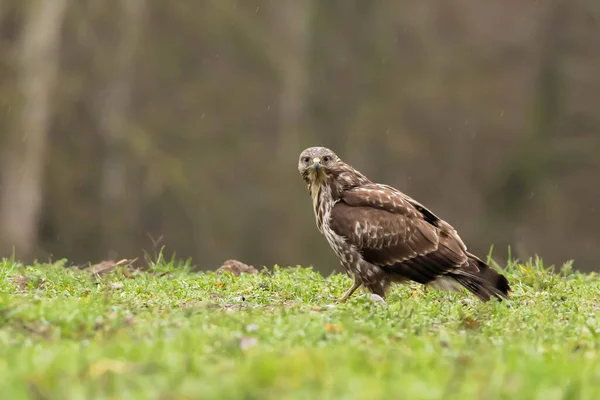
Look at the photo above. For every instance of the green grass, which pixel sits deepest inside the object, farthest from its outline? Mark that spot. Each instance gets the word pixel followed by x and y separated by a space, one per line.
pixel 172 334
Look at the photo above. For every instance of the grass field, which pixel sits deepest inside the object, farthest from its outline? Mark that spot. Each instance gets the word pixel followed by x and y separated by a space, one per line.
pixel 168 333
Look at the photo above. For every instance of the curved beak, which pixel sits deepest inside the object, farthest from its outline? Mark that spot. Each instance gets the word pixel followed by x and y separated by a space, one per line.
pixel 316 162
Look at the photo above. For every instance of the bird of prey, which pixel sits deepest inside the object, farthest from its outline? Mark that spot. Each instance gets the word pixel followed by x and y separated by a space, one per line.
pixel 381 235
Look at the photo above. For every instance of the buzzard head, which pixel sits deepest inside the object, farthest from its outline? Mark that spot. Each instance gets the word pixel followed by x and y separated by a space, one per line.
pixel 320 166
pixel 317 165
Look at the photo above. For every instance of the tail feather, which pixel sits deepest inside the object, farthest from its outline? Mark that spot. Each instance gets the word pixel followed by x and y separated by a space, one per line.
pixel 481 280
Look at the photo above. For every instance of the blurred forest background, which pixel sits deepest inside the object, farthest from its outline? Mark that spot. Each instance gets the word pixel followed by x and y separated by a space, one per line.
pixel 128 125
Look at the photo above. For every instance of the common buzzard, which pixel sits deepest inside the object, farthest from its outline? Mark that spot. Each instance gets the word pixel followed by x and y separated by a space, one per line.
pixel 381 235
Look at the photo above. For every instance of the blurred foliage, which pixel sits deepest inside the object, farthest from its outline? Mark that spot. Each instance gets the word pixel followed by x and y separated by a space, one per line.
pixel 180 123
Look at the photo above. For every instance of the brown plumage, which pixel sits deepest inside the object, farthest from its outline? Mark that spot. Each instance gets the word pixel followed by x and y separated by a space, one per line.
pixel 382 236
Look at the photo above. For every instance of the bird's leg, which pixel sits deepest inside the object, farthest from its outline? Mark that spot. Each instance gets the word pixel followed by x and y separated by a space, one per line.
pixel 415 292
pixel 355 286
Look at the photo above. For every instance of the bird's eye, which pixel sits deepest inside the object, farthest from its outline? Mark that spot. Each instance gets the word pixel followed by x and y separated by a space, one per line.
pixel 326 159
pixel 305 160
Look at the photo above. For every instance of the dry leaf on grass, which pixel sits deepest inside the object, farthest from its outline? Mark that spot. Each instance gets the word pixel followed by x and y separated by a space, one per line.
pixel 103 366
pixel 236 268
pixel 333 328
pixel 248 342
pixel 106 266
pixel 470 323
pixel 20 282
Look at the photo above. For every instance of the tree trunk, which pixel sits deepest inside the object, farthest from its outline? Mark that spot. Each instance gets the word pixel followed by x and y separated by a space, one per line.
pixel 511 195
pixel 113 116
pixel 291 28
pixel 292 24
pixel 24 158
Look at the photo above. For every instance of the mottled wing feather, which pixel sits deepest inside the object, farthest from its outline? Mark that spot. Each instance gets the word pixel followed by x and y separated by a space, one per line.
pixel 381 197
pixel 393 234
pixel 391 199
pixel 396 233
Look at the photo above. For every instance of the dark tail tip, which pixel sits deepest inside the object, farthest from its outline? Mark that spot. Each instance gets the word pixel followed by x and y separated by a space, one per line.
pixel 502 284
pixel 483 281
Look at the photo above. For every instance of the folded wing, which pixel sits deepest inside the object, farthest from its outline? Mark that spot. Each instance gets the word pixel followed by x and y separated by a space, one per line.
pixel 396 233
